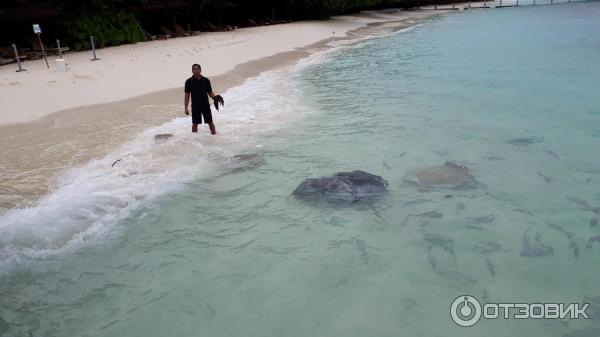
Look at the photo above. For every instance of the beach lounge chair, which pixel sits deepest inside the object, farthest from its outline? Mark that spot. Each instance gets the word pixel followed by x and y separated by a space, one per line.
pixel 182 32
pixel 53 49
pixel 212 27
pixel 37 45
pixel 191 31
pixel 5 56
pixel 167 31
pixel 63 48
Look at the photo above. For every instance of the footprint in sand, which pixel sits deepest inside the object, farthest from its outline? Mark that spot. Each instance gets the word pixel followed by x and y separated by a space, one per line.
pixel 13 83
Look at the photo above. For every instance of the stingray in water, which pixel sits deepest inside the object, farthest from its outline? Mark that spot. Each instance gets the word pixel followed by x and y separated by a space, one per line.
pixel 448 175
pixel 158 138
pixel 247 161
pixel 343 186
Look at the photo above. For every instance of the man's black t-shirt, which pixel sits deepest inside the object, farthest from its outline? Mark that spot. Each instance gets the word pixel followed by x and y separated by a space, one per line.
pixel 199 88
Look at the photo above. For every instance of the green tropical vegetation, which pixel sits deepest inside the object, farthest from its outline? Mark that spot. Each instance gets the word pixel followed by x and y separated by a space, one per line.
pixel 114 22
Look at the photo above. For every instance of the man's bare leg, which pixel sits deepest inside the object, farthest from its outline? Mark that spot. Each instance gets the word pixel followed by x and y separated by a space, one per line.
pixel 194 127
pixel 212 128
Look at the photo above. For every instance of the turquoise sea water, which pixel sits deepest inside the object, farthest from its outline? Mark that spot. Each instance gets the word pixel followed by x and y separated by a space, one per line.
pixel 182 238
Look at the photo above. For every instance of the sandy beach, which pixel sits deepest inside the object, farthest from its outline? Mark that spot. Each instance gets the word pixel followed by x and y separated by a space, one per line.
pixel 53 121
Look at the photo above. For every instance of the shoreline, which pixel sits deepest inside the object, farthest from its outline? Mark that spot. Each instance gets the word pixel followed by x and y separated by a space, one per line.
pixel 39 151
pixel 129 71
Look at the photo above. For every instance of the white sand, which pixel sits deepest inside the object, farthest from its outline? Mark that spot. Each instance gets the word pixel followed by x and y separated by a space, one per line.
pixel 132 70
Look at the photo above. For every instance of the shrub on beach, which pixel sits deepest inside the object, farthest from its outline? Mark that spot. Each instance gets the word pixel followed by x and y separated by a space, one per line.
pixel 108 29
pixel 323 9
pixel 347 6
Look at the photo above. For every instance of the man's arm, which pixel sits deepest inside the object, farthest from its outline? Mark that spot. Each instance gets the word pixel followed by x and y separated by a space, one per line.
pixel 211 94
pixel 186 101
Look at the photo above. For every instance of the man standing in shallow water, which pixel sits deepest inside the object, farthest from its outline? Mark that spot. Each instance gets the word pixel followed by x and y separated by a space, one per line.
pixel 198 87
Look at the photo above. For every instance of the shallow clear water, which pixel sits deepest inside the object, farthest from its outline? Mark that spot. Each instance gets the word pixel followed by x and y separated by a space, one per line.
pixel 181 238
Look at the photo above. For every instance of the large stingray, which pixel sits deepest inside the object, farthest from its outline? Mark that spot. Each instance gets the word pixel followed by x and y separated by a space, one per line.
pixel 448 175
pixel 245 161
pixel 343 186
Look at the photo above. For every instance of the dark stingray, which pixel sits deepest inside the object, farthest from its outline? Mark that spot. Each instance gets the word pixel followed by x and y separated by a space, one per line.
pixel 343 186
pixel 449 175
pixel 249 160
pixel 158 138
pixel 241 162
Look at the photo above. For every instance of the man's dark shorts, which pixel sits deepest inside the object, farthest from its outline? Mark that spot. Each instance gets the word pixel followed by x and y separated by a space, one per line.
pixel 199 114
